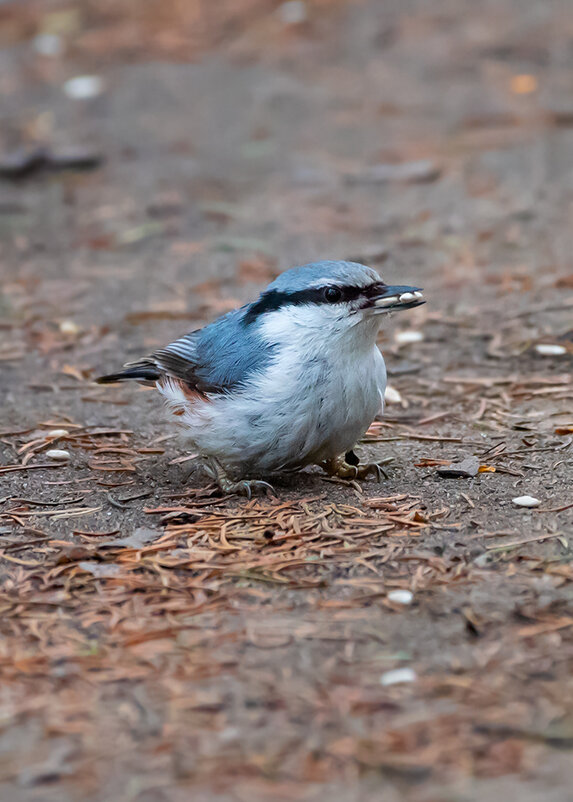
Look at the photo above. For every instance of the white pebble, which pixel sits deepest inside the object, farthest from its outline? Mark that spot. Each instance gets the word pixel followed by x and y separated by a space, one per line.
pixel 57 433
pixel 397 676
pixel 84 87
pixel 408 336
pixel 69 327
pixel 548 349
pixel 293 12
pixel 391 395
pixel 59 454
pixel 48 44
pixel 401 596
pixel 526 501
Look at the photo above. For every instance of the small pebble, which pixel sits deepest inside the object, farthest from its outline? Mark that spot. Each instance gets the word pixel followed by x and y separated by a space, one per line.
pixel 22 161
pixel 392 396
pixel 417 171
pixel 57 433
pixel 401 596
pixel 526 501
pixel 409 336
pixel 59 454
pixel 548 349
pixel 460 470
pixel 48 44
pixel 398 676
pixel 69 327
pixel 84 87
pixel 293 12
pixel 74 157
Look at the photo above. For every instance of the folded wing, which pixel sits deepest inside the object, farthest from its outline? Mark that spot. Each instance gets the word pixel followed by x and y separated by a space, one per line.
pixel 177 361
pixel 215 359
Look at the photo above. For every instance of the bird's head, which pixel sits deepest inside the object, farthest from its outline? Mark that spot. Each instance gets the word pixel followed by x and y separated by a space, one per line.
pixel 336 299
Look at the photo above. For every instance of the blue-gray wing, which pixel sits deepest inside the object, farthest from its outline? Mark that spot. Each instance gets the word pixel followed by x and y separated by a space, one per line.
pixel 216 359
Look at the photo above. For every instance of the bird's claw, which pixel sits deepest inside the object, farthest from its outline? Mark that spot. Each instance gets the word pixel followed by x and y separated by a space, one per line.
pixel 245 487
pixel 341 467
pixel 241 487
pixel 372 468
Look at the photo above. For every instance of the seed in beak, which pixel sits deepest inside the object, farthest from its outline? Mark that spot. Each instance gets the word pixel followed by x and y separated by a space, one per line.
pixel 386 301
pixel 418 294
pixel 406 297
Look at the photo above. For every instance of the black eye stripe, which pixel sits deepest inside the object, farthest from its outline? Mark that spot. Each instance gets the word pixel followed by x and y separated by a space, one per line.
pixel 275 299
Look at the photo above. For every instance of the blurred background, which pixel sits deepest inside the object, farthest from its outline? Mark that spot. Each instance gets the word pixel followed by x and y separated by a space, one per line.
pixel 165 159
pixel 160 162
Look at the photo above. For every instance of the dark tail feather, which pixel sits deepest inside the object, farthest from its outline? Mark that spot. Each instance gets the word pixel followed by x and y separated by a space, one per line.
pixel 141 373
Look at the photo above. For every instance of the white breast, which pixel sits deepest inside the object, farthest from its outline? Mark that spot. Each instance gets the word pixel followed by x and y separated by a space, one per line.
pixel 314 401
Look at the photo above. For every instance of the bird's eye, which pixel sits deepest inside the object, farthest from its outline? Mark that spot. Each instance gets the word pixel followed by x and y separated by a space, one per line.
pixel 333 295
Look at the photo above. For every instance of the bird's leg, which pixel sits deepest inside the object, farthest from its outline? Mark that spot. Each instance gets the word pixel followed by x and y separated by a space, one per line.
pixel 349 467
pixel 243 487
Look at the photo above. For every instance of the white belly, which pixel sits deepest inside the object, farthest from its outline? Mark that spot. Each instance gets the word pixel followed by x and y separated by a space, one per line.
pixel 291 415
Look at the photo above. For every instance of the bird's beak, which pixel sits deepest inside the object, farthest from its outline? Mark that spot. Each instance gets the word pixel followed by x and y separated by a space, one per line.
pixel 390 299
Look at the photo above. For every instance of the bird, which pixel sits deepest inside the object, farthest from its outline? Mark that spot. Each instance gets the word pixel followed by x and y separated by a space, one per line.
pixel 293 379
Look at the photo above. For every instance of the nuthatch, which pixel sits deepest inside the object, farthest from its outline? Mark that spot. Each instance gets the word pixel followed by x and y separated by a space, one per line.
pixel 293 379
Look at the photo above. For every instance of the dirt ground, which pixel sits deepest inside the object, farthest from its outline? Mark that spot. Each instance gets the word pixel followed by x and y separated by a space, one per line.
pixel 163 643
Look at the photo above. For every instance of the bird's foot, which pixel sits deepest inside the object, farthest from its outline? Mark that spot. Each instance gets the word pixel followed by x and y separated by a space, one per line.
pixel 349 467
pixel 242 487
pixel 245 487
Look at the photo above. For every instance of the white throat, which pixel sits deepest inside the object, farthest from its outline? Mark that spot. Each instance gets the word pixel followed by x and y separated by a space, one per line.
pixel 318 330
